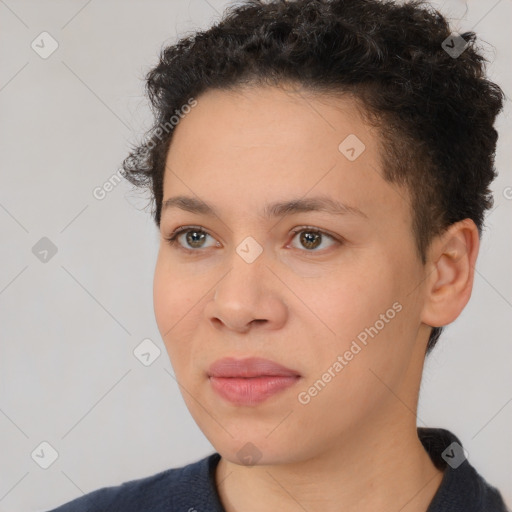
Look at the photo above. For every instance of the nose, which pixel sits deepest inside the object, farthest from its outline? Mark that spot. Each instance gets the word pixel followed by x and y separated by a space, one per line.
pixel 248 296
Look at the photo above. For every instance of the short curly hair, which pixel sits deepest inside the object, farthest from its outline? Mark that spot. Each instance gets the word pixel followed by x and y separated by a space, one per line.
pixel 434 111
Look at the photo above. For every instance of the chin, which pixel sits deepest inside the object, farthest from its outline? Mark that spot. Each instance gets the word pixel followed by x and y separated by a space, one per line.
pixel 257 450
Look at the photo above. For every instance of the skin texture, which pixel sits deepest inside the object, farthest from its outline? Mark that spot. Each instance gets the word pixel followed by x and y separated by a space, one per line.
pixel 353 446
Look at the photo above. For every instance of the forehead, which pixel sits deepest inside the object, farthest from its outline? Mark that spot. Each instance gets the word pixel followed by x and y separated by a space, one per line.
pixel 239 149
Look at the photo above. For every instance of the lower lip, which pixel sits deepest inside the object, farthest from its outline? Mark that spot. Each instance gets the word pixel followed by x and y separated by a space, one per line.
pixel 250 391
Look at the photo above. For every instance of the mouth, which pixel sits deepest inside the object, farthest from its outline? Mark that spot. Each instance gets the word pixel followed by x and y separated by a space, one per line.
pixel 229 367
pixel 251 381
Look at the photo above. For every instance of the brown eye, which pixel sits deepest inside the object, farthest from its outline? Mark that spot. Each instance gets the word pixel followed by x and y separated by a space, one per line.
pixel 189 238
pixel 195 238
pixel 311 239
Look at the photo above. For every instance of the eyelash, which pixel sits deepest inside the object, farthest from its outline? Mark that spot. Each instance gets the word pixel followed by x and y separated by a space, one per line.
pixel 172 239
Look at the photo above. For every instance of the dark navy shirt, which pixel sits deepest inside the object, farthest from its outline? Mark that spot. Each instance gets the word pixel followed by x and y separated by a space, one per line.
pixel 192 488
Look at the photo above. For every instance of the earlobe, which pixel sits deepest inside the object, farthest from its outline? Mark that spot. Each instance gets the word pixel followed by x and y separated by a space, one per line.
pixel 451 269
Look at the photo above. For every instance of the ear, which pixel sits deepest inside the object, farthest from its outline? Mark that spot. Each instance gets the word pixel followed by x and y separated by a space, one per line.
pixel 450 270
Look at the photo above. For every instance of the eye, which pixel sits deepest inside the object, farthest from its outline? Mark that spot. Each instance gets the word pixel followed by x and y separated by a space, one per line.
pixel 311 238
pixel 194 237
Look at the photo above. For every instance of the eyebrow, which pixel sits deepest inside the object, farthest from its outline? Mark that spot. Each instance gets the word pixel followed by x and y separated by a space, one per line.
pixel 278 209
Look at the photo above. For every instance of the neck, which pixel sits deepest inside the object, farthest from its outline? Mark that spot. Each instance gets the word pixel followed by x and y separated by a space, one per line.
pixel 381 467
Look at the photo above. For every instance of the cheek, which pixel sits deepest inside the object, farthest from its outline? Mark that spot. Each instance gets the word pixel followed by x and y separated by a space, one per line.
pixel 172 300
pixel 365 306
pixel 354 296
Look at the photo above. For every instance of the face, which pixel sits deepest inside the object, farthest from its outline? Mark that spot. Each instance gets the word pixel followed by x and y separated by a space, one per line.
pixel 334 296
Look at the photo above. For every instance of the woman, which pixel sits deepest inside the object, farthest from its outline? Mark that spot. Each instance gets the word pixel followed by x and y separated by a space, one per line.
pixel 320 197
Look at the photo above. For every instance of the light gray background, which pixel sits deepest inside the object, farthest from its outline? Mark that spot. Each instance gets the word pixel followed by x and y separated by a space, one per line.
pixel 69 326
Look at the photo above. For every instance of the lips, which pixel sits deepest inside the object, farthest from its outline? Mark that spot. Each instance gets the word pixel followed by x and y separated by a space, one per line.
pixel 248 382
pixel 248 368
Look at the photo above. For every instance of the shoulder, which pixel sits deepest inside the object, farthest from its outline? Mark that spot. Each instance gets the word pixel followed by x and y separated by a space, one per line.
pixel 167 490
pixel 462 488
